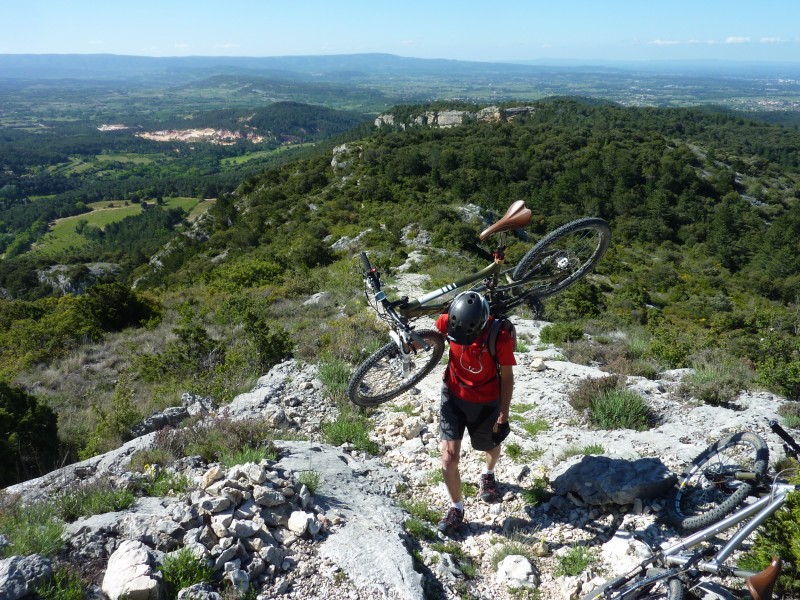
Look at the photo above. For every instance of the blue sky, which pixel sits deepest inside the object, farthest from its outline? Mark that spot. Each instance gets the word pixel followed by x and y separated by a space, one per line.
pixel 464 29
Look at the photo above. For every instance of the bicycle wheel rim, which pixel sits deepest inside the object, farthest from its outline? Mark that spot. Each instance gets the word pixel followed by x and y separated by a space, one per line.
pixel 380 378
pixel 560 258
pixel 708 490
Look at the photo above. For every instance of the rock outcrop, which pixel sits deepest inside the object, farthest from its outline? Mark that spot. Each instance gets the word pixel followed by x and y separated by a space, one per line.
pixel 257 524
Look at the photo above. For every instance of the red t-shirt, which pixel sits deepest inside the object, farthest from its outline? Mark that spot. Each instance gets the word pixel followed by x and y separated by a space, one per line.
pixel 472 373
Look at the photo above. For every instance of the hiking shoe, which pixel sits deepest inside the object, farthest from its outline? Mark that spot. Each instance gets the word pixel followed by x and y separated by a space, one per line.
pixel 451 521
pixel 489 491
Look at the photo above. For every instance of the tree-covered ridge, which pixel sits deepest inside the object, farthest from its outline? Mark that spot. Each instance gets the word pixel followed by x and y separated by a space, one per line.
pixel 680 176
pixel 704 253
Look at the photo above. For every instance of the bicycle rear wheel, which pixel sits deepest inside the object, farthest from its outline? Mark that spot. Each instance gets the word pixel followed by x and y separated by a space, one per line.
pixel 561 258
pixel 708 489
pixel 657 583
pixel 382 376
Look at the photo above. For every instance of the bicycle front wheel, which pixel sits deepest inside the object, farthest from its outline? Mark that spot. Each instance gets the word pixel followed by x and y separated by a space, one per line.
pixel 561 258
pixel 708 489
pixel 385 375
pixel 661 584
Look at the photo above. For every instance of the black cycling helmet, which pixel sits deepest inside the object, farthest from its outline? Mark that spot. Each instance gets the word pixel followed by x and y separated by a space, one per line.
pixel 467 317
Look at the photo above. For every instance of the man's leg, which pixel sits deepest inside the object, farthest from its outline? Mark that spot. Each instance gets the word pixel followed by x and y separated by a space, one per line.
pixel 451 453
pixel 492 456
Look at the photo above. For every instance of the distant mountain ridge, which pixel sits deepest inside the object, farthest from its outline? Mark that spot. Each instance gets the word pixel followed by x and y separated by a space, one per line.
pixel 343 66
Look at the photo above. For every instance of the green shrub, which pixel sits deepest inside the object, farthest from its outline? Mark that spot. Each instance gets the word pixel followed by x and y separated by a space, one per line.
pixel 349 428
pixel 575 561
pixel 791 414
pixel 310 479
pixel 620 409
pixel 609 404
pixel 779 365
pixel 419 530
pixel 571 451
pixel 248 454
pixel 420 510
pixel 31 529
pixel 92 499
pixel 113 426
pixel 334 374
pixel 588 389
pixel 162 482
pixel 716 378
pixel 561 333
pixel 779 536
pixel 669 347
pixel 214 439
pixel 536 427
pixel 28 436
pixel 66 584
pixel 537 493
pixel 182 569
pixel 517 545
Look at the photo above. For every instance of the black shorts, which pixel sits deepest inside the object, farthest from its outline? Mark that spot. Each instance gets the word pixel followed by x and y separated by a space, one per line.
pixel 477 418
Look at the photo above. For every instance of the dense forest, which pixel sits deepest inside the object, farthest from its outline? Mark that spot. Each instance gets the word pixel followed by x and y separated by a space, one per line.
pixel 704 207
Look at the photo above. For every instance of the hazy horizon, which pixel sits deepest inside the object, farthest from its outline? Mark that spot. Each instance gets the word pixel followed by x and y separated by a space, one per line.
pixel 518 31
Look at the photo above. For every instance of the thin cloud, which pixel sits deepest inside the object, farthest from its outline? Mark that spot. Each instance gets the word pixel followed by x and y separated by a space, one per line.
pixel 772 40
pixel 181 46
pixel 227 46
pixel 665 42
pixel 737 40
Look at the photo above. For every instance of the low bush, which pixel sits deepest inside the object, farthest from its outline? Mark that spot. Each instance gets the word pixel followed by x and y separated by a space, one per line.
pixel 609 405
pixel 575 561
pixel 350 428
pixel 162 482
pixel 571 451
pixel 587 390
pixel 561 333
pixel 421 510
pixel 28 436
pixel 334 373
pixel 31 529
pixel 310 479
pixel 778 536
pixel 537 493
pixel 791 414
pixel 66 584
pixel 620 409
pixel 716 379
pixel 91 499
pixel 517 545
pixel 220 437
pixel 182 569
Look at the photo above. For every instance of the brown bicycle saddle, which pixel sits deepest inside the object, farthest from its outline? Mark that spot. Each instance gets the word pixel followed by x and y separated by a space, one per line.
pixel 517 217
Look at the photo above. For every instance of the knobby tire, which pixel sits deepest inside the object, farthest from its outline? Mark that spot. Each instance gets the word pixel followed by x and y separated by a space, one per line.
pixel 379 378
pixel 561 258
pixel 697 501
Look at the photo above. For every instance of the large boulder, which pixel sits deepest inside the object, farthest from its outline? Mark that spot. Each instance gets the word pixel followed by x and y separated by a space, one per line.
pixel 600 480
pixel 130 573
pixel 19 575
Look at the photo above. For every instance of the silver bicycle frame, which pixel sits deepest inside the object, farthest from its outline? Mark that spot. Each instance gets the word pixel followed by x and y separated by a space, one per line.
pixel 762 509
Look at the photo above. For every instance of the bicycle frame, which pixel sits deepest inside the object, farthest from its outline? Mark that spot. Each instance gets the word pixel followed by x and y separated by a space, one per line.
pixel 760 510
pixel 678 561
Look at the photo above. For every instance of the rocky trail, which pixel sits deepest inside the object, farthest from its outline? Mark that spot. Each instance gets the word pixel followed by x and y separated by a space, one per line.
pixel 258 525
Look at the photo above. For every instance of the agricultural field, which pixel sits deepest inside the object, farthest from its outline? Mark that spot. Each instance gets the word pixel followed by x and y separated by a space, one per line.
pixel 64 234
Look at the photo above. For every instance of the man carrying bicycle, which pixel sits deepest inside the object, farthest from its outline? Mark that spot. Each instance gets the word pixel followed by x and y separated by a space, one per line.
pixel 476 396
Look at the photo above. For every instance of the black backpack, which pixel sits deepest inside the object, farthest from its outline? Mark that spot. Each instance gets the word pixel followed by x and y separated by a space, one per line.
pixel 498 325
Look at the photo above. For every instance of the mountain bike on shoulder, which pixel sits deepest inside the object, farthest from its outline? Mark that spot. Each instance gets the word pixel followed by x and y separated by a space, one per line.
pixel 554 263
